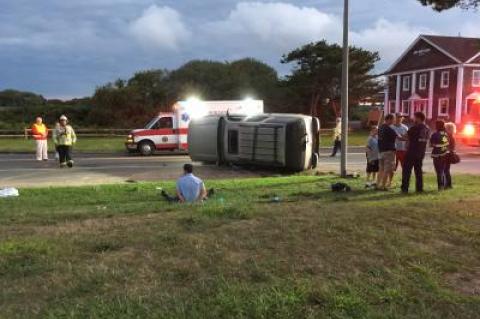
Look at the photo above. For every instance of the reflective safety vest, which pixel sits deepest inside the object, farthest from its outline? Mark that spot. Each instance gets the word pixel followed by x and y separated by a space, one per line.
pixel 440 143
pixel 39 132
pixel 64 135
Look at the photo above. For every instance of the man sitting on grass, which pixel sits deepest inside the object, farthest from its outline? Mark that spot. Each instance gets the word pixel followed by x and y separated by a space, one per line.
pixel 190 188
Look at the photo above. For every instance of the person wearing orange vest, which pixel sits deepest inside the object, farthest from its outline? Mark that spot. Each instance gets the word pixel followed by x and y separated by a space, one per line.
pixel 40 134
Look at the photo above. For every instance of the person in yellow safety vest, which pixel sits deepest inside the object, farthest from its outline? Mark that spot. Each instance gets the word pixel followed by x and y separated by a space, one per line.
pixel 64 138
pixel 40 134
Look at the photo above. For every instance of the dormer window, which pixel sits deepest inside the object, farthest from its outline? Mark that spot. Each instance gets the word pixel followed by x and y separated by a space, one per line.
pixel 445 79
pixel 406 83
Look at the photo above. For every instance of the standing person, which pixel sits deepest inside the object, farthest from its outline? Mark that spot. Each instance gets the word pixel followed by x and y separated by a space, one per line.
pixel 386 146
pixel 401 144
pixel 417 138
pixel 57 125
pixel 440 143
pixel 337 137
pixel 64 138
pixel 40 134
pixel 451 130
pixel 372 158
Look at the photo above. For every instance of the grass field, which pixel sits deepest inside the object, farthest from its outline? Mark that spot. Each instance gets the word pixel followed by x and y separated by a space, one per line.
pixel 355 138
pixel 121 252
pixel 84 144
pixel 116 144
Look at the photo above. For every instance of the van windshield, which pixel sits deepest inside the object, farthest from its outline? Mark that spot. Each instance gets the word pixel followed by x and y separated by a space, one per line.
pixel 151 123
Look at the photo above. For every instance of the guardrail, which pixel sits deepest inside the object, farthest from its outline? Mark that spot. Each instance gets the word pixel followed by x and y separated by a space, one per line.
pixel 26 133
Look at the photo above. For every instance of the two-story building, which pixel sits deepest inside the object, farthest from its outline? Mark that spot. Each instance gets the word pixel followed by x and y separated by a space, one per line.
pixel 437 75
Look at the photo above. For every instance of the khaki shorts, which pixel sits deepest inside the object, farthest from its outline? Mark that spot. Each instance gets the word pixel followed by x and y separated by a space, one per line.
pixel 387 162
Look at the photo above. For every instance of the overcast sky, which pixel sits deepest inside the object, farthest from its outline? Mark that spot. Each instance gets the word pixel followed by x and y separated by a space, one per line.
pixel 65 48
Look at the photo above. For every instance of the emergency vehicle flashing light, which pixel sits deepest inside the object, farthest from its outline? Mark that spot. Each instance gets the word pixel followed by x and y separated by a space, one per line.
pixel 469 130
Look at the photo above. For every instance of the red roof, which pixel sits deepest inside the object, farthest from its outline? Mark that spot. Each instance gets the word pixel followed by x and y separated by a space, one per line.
pixel 463 49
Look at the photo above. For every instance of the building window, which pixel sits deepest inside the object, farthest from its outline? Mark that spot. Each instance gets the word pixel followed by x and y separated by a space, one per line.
pixel 476 78
pixel 445 79
pixel 420 106
pixel 405 107
pixel 422 85
pixel 443 106
pixel 392 106
pixel 406 83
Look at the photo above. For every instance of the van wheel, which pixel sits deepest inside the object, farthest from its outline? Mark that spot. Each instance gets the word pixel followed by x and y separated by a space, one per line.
pixel 146 148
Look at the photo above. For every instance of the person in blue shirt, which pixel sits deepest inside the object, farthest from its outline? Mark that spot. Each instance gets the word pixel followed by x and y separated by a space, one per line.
pixel 372 158
pixel 190 188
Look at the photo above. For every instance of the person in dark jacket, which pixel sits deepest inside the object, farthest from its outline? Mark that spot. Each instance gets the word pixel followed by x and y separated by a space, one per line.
pixel 439 143
pixel 386 146
pixel 417 138
pixel 451 130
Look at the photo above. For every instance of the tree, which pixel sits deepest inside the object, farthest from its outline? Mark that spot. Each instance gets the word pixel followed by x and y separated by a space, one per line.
pixel 316 76
pixel 16 98
pixel 440 5
pixel 213 80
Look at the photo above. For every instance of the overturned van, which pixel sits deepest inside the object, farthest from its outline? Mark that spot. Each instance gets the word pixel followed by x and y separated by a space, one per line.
pixel 289 141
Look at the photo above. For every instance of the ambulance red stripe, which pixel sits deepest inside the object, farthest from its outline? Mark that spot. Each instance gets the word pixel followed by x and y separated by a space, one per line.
pixel 180 131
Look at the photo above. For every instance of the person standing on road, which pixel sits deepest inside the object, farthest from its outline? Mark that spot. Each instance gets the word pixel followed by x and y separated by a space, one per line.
pixel 372 158
pixel 417 138
pixel 451 130
pixel 64 138
pixel 337 137
pixel 440 144
pixel 386 146
pixel 40 134
pixel 401 144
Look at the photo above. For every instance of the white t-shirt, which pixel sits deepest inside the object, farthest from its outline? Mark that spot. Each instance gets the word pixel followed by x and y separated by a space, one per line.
pixel 401 130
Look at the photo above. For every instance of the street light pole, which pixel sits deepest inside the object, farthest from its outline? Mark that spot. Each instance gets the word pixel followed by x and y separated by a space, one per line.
pixel 344 99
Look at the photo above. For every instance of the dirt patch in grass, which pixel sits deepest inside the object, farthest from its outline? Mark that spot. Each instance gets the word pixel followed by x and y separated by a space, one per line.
pixel 465 283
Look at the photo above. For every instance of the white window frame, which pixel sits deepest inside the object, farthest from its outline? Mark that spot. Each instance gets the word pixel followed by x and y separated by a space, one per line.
pixel 422 82
pixel 391 107
pixel 445 77
pixel 474 83
pixel 406 83
pixel 440 100
pixel 405 104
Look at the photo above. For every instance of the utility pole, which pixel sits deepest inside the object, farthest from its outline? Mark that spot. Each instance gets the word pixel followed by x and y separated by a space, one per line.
pixel 345 64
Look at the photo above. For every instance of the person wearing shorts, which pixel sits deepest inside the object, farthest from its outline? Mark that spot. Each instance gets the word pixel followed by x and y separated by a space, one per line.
pixel 386 146
pixel 372 158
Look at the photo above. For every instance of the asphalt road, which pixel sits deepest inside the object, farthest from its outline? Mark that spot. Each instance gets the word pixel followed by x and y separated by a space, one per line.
pixel 20 170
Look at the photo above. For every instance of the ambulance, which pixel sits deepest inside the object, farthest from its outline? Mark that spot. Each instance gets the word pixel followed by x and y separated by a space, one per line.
pixel 169 131
pixel 469 132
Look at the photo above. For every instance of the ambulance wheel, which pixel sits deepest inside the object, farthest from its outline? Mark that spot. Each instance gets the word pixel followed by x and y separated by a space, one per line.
pixel 146 148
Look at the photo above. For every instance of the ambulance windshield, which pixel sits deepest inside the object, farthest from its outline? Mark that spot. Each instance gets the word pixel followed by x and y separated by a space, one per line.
pixel 151 123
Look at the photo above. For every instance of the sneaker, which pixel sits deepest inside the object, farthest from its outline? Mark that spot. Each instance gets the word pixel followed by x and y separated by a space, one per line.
pixel 70 164
pixel 63 165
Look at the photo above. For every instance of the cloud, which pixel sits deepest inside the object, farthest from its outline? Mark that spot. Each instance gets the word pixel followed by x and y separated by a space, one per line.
pixel 388 38
pixel 160 28
pixel 276 27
